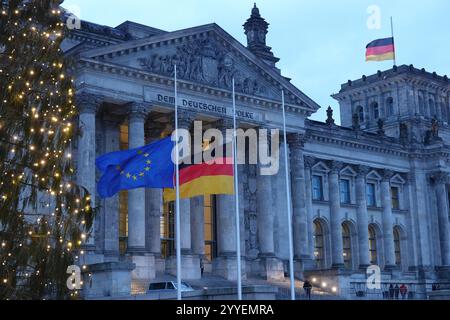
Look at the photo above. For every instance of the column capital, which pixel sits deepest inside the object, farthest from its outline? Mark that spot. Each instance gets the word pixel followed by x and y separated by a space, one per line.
pixel 296 140
pixel 88 102
pixel 335 166
pixel 138 111
pixel 224 124
pixel 387 175
pixel 310 162
pixel 362 171
pixel 185 118
pixel 440 177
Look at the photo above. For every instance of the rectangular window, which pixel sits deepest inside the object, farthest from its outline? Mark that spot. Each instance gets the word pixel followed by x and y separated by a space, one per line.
pixel 345 191
pixel 317 188
pixel 371 198
pixel 395 196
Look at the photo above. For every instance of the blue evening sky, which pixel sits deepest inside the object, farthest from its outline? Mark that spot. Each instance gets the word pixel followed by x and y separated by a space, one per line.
pixel 321 43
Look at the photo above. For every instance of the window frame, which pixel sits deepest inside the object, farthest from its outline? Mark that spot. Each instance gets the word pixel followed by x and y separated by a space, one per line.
pixel 321 187
pixel 396 202
pixel 373 203
pixel 348 199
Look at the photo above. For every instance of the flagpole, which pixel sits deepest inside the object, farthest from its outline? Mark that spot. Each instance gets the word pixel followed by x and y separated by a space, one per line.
pixel 236 195
pixel 288 199
pixel 177 189
pixel 393 41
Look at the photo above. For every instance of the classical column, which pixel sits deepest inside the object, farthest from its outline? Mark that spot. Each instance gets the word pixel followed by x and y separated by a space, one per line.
pixel 298 191
pixel 190 262
pixel 88 105
pixel 153 201
pixel 198 226
pixel 362 217
pixel 136 198
pixel 271 267
pixel 309 163
pixel 265 215
pixel 280 208
pixel 225 264
pixel 110 206
pixel 441 180
pixel 335 215
pixel 388 225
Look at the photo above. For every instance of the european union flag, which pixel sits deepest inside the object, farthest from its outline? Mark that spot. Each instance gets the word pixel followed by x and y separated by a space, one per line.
pixel 150 166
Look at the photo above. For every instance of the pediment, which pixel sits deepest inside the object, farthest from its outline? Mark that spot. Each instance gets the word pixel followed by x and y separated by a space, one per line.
pixel 374 175
pixel 397 179
pixel 320 167
pixel 206 55
pixel 348 171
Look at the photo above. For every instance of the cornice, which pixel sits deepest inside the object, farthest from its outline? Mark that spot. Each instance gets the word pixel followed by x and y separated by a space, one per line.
pixel 133 73
pixel 232 45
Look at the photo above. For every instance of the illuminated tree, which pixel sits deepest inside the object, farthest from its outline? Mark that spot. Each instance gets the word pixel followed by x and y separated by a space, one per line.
pixel 44 216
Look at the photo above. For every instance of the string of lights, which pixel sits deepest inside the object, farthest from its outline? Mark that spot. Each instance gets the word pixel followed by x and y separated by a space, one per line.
pixel 45 217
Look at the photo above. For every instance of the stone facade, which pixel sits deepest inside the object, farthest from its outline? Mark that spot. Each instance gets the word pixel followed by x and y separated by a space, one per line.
pixel 372 191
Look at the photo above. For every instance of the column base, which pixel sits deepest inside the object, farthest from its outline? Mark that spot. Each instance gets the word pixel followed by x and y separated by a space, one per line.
pixel 111 256
pixel 271 268
pixel 145 267
pixel 109 279
pixel 226 267
pixel 190 267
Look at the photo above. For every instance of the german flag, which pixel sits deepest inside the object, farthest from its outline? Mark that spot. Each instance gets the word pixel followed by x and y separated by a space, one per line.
pixel 380 50
pixel 207 178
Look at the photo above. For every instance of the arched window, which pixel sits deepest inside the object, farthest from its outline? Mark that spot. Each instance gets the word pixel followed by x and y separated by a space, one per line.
pixel 319 245
pixel 390 106
pixel 375 110
pixel 397 247
pixel 347 246
pixel 373 254
pixel 360 112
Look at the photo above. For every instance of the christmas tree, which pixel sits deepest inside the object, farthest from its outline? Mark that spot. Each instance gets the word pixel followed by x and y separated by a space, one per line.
pixel 44 216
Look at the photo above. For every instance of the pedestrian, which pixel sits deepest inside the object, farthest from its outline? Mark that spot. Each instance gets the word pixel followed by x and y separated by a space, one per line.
pixel 391 291
pixel 396 292
pixel 403 290
pixel 307 286
pixel 202 267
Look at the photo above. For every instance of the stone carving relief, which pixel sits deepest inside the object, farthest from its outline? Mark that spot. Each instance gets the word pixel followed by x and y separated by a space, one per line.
pixel 250 218
pixel 205 62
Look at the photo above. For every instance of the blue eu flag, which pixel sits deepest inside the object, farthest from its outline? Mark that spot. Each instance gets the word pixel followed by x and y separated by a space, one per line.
pixel 150 166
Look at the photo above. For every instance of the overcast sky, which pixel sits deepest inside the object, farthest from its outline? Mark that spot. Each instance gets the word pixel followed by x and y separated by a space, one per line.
pixel 321 43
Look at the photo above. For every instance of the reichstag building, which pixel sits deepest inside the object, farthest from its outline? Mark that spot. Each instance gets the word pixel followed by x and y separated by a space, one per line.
pixel 372 191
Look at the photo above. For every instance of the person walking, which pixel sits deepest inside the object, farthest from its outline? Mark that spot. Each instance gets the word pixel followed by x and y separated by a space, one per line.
pixel 307 286
pixel 202 267
pixel 396 292
pixel 403 290
pixel 391 291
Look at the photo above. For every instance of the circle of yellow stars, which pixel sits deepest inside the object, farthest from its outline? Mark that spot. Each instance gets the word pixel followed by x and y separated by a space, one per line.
pixel 136 176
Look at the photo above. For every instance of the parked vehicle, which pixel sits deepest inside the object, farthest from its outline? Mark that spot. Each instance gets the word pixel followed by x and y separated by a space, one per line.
pixel 168 286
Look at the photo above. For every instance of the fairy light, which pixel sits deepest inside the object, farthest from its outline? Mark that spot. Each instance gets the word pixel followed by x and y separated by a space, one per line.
pixel 40 94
